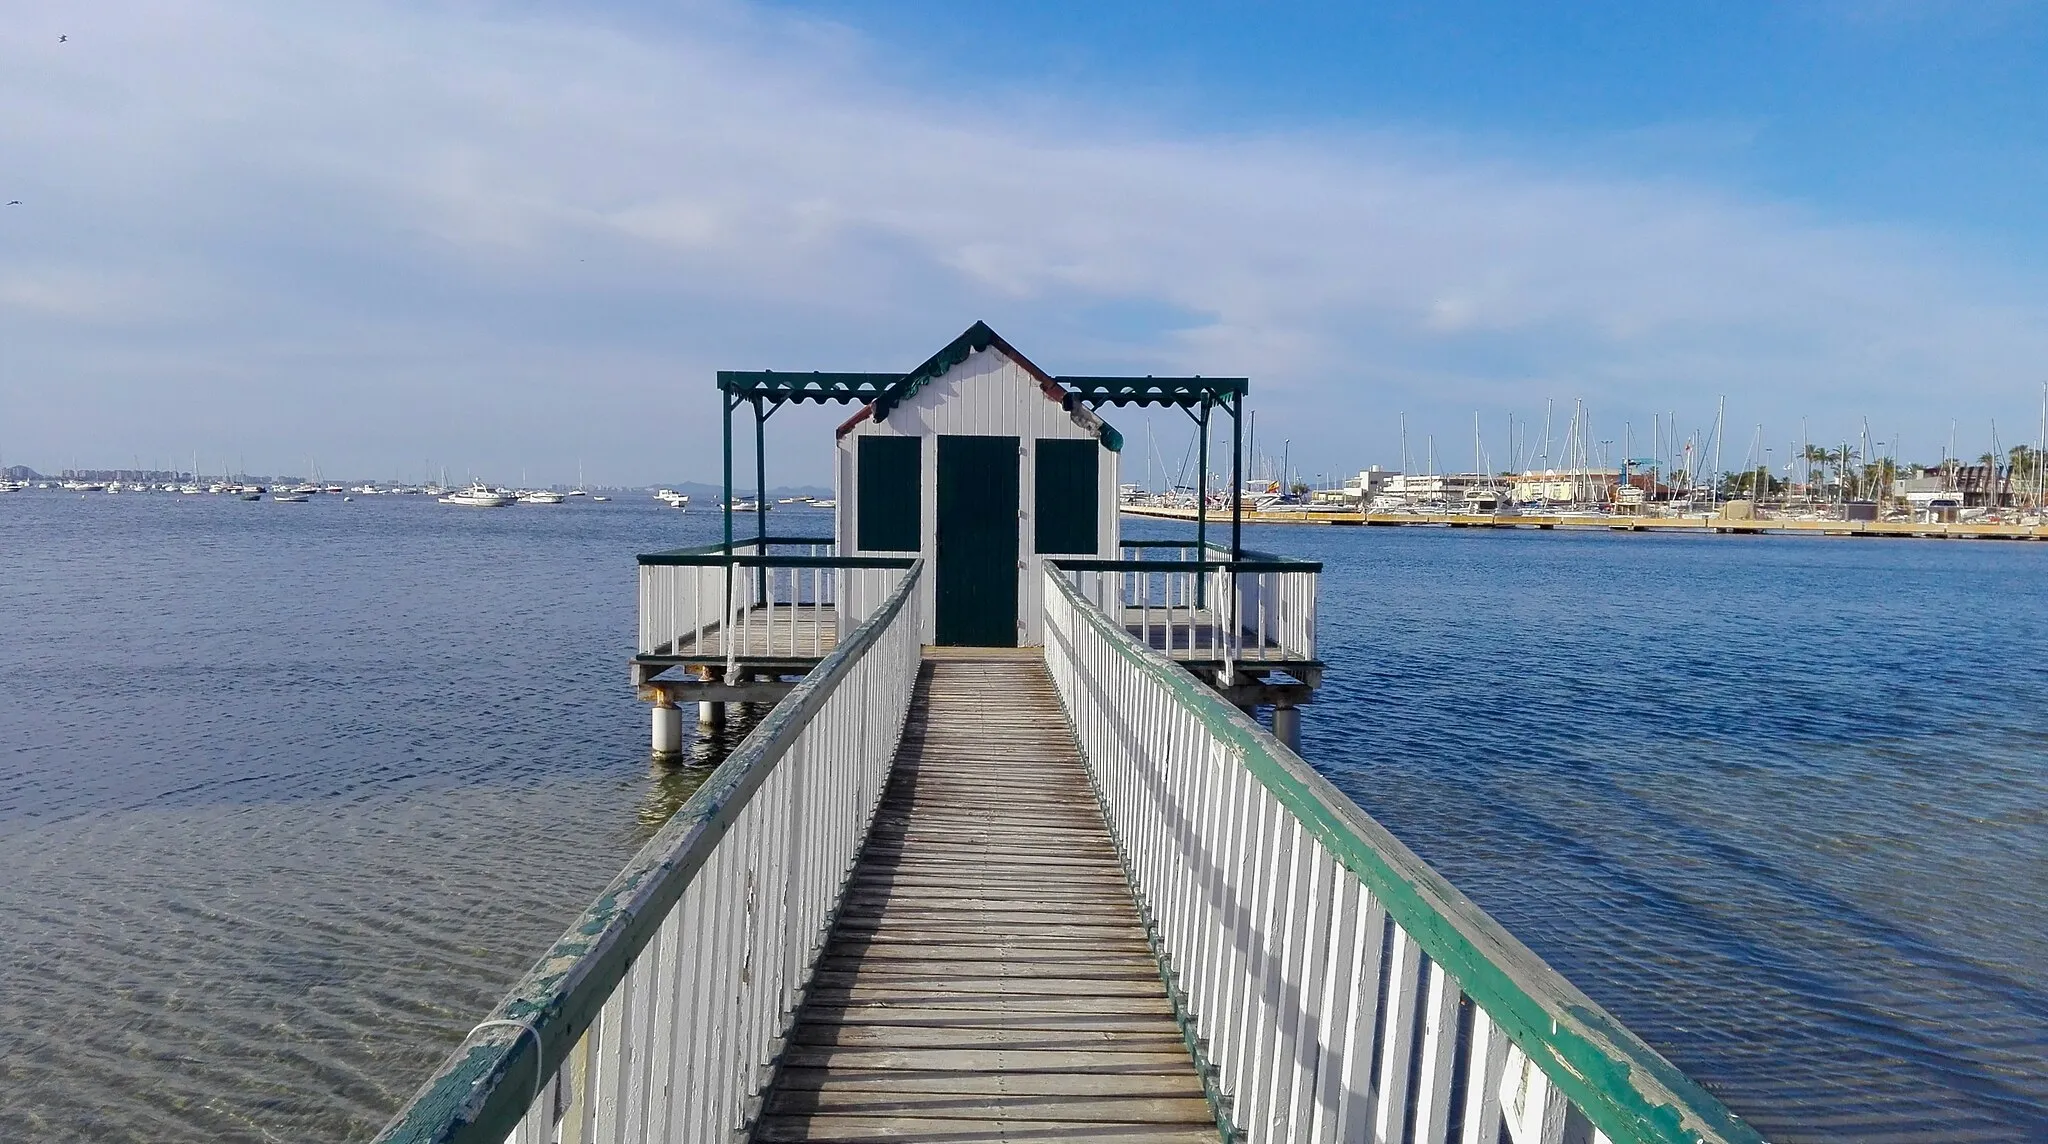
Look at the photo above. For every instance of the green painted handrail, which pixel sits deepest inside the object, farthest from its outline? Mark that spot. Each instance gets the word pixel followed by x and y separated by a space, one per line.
pixel 720 560
pixel 1249 555
pixel 1625 1088
pixel 480 1093
pixel 1276 564
pixel 719 547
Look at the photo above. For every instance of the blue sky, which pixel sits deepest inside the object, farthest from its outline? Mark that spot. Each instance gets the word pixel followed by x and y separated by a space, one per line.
pixel 502 237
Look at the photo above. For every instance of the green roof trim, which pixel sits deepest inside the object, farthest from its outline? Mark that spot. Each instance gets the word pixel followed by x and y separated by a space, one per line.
pixel 1181 391
pixel 801 387
pixel 882 392
pixel 978 337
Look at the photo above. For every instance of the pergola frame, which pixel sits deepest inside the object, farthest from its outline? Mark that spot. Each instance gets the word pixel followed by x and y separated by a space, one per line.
pixel 767 391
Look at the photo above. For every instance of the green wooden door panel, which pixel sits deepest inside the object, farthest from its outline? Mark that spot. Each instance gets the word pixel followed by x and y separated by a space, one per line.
pixel 1065 500
pixel 977 559
pixel 888 513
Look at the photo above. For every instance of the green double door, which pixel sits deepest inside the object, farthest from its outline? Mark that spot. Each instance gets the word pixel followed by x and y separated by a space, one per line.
pixel 977 527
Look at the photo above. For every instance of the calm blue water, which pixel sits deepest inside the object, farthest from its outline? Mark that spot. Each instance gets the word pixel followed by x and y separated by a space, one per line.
pixel 1780 804
pixel 289 794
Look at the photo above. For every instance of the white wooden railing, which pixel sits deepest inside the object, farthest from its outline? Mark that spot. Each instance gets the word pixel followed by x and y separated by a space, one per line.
pixel 1335 987
pixel 757 600
pixel 658 1015
pixel 1258 609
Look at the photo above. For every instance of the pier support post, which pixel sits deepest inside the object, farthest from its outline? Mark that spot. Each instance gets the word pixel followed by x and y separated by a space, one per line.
pixel 668 730
pixel 1287 727
pixel 710 714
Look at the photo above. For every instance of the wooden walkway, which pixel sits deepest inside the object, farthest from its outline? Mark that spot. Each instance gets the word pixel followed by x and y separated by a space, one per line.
pixel 988 979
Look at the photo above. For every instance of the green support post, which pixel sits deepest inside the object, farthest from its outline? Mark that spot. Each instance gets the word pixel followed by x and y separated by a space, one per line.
pixel 761 495
pixel 1202 508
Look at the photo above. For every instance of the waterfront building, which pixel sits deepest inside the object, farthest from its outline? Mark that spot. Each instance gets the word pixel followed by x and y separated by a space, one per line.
pixel 1580 485
pixel 1419 488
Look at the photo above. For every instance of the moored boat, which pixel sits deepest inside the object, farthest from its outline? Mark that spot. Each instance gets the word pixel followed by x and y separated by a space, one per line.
pixel 478 495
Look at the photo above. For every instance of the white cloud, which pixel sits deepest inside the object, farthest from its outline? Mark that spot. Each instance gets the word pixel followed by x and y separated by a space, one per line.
pixel 421 201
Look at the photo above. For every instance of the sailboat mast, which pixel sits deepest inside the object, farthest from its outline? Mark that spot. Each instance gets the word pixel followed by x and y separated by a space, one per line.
pixel 1720 411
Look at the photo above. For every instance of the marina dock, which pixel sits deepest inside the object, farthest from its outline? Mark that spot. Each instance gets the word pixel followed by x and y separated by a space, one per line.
pixel 1698 523
pixel 1013 856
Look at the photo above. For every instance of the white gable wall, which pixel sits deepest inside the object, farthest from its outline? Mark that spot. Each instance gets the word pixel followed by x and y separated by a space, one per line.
pixel 986 395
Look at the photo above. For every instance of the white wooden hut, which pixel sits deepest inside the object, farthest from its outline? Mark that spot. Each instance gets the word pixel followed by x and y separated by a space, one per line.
pixel 984 464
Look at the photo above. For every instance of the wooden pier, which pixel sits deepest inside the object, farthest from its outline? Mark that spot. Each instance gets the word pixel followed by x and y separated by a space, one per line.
pixel 1011 859
pixel 1698 523
pixel 988 978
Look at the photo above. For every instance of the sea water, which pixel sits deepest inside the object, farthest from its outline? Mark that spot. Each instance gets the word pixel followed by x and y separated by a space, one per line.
pixel 290 794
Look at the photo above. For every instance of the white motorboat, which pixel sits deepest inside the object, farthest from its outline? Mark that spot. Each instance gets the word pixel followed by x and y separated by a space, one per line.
pixel 540 496
pixel 672 498
pixel 290 498
pixel 478 496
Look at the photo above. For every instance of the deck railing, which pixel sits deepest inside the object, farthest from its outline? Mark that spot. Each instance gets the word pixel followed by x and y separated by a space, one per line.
pixel 1333 985
pixel 757 598
pixel 1204 605
pixel 658 1015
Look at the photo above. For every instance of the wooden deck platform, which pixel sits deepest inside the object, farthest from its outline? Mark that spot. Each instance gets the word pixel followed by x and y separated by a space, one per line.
pixel 807 632
pixel 792 632
pixel 1197 636
pixel 988 978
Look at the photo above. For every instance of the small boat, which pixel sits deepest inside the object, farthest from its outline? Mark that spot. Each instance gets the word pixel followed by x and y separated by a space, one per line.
pixel 478 496
pixel 824 504
pixel 252 496
pixel 672 498
pixel 540 497
pixel 290 498
pixel 600 499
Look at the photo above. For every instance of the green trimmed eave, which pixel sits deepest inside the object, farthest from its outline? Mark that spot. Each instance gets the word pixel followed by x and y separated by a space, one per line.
pixel 777 388
pixel 976 338
pixel 1185 392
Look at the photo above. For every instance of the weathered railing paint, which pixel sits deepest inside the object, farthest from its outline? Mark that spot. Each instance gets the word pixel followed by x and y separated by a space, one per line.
pixel 659 1014
pixel 750 594
pixel 1277 907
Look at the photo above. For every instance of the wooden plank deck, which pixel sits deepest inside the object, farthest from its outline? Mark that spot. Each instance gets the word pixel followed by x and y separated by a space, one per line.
pixel 988 978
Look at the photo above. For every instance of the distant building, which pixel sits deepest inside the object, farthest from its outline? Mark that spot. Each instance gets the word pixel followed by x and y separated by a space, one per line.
pixel 1984 486
pixel 1564 485
pixel 1975 486
pixel 1431 487
pixel 1368 484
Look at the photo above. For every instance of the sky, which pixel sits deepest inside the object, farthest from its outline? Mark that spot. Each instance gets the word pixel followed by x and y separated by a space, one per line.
pixel 509 239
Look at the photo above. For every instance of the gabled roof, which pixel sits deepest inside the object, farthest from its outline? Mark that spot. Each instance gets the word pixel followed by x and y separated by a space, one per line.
pixel 882 392
pixel 979 337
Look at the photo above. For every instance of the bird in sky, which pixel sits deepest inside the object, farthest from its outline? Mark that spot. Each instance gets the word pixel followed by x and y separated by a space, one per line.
pixel 61 39
pixel 14 203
